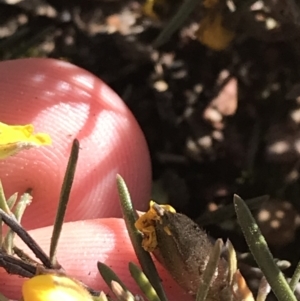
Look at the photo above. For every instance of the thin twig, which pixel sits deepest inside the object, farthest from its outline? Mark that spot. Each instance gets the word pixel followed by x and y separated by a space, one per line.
pixel 26 238
pixel 16 266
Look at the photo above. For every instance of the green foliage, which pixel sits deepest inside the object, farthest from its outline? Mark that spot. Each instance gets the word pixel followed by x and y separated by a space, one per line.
pixel 261 252
pixel 147 279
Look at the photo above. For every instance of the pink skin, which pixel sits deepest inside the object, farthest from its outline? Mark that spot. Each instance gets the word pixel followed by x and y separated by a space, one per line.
pixel 68 102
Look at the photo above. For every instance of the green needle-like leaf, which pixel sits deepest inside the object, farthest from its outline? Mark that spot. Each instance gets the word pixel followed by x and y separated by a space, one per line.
pixel 143 282
pixel 3 298
pixel 210 271
pixel 3 203
pixel 261 252
pixel 176 22
pixel 296 277
pixel 22 204
pixel 12 200
pixel 144 257
pixel 109 275
pixel 63 200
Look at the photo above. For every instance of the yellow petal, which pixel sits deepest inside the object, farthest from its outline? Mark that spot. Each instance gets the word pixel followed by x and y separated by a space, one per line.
pixel 52 287
pixel 14 138
pixel 213 34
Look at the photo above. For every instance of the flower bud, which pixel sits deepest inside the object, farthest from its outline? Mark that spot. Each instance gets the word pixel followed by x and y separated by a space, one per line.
pixel 184 250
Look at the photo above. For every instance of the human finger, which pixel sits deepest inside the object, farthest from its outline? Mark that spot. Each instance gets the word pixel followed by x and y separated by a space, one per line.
pixel 68 102
pixel 82 245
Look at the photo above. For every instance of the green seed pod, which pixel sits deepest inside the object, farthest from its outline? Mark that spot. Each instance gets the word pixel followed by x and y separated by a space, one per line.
pixel 184 249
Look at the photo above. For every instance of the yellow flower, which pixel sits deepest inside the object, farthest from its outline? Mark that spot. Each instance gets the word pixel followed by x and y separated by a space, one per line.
pixel 53 287
pixel 14 138
pixel 212 33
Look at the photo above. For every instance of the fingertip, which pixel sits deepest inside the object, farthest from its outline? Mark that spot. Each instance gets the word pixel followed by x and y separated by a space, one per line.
pixel 68 102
